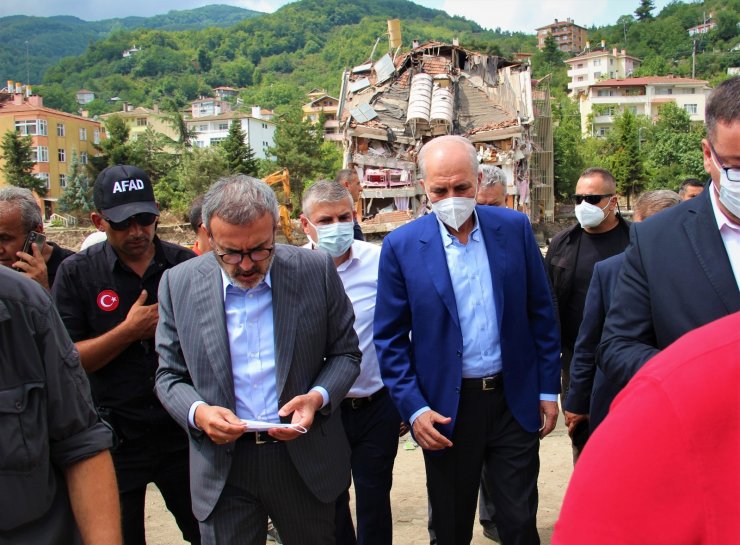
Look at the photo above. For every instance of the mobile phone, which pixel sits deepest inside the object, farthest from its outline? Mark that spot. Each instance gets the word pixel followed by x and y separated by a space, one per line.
pixel 34 237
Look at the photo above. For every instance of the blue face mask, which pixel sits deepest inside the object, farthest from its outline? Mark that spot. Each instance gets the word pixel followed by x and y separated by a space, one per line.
pixel 334 238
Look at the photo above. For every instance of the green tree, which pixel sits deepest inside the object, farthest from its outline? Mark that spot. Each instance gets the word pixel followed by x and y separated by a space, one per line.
pixel 239 154
pixel 624 158
pixel 644 10
pixel 184 134
pixel 18 162
pixel 115 149
pixel 567 142
pixel 200 167
pixel 77 195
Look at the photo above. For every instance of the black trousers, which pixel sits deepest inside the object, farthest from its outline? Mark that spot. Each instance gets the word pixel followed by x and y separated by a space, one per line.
pixel 160 457
pixel 485 432
pixel 372 432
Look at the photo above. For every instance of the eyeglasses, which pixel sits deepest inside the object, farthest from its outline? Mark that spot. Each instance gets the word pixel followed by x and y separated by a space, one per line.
pixel 733 173
pixel 144 219
pixel 234 258
pixel 590 199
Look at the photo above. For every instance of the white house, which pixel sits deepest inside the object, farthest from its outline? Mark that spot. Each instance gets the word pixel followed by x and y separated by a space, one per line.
pixel 210 130
pixel 590 67
pixel 643 96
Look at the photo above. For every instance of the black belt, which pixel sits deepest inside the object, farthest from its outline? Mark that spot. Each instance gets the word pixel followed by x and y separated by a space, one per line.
pixel 360 402
pixel 259 437
pixel 482 384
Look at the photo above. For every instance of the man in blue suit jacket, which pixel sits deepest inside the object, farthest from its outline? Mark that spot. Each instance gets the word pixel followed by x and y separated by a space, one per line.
pixel 468 346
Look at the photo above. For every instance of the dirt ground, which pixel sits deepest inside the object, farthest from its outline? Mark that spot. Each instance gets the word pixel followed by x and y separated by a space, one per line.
pixel 409 497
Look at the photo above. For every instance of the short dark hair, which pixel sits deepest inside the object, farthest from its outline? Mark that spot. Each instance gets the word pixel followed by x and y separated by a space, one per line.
pixel 723 105
pixel 607 176
pixel 195 216
pixel 693 182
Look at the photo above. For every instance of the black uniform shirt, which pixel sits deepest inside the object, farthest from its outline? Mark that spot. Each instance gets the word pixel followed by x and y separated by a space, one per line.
pixel 93 291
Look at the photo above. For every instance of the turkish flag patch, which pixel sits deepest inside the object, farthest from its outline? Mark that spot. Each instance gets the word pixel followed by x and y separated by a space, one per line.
pixel 108 300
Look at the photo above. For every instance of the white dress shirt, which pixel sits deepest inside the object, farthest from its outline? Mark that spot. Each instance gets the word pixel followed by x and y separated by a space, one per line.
pixel 730 233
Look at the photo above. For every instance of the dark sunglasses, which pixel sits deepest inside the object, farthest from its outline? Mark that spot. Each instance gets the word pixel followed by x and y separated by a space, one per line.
pixel 590 199
pixel 144 219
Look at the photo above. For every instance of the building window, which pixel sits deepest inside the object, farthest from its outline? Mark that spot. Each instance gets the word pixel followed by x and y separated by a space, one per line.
pixel 60 129
pixel 217 140
pixel 264 125
pixel 597 62
pixel 601 131
pixel 203 128
pixel 688 91
pixel 141 121
pixel 62 180
pixel 579 65
pixel 83 134
pixel 604 93
pixel 83 157
pixel 663 91
pixel 223 126
pixel 580 78
pixel 690 108
pixel 597 75
pixel 40 154
pixel 96 136
pixel 31 127
pixel 62 155
pixel 44 176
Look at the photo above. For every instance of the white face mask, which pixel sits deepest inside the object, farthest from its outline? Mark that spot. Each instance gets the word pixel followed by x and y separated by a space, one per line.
pixel 454 211
pixel 334 238
pixel 729 192
pixel 590 215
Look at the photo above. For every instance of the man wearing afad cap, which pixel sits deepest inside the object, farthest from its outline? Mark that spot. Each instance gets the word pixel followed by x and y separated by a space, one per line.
pixel 107 298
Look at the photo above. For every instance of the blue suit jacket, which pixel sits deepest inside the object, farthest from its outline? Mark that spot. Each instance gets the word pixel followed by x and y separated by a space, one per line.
pixel 590 392
pixel 676 277
pixel 417 331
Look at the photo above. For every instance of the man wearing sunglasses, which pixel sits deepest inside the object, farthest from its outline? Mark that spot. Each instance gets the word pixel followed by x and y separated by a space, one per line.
pixel 653 302
pixel 600 233
pixel 107 298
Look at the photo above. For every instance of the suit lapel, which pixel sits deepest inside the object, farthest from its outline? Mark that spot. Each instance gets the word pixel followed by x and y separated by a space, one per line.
pixel 701 229
pixel 432 254
pixel 213 326
pixel 496 249
pixel 285 296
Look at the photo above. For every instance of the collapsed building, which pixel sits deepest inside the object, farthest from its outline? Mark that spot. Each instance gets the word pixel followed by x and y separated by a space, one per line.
pixel 390 107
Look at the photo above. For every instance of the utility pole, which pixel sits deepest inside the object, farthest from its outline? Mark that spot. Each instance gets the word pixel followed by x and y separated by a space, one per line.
pixel 693 60
pixel 28 72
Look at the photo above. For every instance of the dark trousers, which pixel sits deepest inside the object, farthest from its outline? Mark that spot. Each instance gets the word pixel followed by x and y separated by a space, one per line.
pixel 159 457
pixel 372 431
pixel 264 482
pixel 485 432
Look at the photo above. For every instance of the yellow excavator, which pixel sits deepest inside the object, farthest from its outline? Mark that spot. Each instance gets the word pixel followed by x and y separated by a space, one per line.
pixel 282 177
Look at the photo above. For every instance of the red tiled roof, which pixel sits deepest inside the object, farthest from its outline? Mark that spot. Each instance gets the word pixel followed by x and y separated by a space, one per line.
pixel 9 107
pixel 650 80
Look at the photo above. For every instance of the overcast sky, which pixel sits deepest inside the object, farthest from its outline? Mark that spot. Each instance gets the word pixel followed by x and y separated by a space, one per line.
pixel 522 15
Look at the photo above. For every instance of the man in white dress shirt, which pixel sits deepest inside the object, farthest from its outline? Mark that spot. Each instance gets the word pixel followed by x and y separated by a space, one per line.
pixel 370 419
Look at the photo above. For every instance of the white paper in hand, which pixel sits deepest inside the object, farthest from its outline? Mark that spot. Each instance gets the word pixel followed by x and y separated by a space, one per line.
pixel 258 425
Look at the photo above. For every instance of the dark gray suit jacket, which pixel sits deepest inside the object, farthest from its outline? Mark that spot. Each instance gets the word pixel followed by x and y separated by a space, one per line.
pixel 315 345
pixel 676 276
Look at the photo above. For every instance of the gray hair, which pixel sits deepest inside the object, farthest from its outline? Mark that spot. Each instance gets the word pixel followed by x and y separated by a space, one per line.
pixel 492 175
pixel 441 140
pixel 345 175
pixel 652 202
pixel 325 191
pixel 239 200
pixel 605 175
pixel 23 200
pixel 723 106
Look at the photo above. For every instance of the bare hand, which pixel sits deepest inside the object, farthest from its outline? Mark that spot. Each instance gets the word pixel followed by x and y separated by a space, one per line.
pixel 572 420
pixel 33 266
pixel 219 423
pixel 549 416
pixel 404 429
pixel 142 319
pixel 427 435
pixel 304 408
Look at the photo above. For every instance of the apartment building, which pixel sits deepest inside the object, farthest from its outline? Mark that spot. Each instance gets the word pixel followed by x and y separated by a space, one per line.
pixel 55 135
pixel 569 36
pixel 607 99
pixel 212 129
pixel 322 104
pixel 139 119
pixel 590 67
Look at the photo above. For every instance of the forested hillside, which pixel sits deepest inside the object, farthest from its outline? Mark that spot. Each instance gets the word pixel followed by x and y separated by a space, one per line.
pixel 49 39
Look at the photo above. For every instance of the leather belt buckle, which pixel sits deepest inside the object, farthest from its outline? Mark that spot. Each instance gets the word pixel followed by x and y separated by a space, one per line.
pixel 263 438
pixel 489 383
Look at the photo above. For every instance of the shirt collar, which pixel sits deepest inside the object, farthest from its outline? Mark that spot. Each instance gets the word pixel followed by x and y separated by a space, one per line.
pixel 448 238
pixel 161 254
pixel 351 260
pixel 228 284
pixel 720 218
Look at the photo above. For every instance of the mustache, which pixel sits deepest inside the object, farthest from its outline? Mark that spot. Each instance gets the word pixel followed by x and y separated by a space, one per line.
pixel 239 271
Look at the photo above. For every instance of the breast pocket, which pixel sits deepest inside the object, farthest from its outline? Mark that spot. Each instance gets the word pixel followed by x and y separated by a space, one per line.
pixel 23 428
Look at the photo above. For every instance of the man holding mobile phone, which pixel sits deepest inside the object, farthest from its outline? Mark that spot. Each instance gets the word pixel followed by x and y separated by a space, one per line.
pixel 23 245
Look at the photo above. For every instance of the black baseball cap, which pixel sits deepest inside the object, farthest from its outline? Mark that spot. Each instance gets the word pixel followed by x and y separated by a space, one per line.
pixel 122 191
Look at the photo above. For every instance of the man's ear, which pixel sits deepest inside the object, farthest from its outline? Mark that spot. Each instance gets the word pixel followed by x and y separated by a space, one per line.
pixel 304 223
pixel 97 220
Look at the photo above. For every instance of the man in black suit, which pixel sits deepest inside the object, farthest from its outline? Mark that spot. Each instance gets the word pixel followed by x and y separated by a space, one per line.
pixel 654 301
